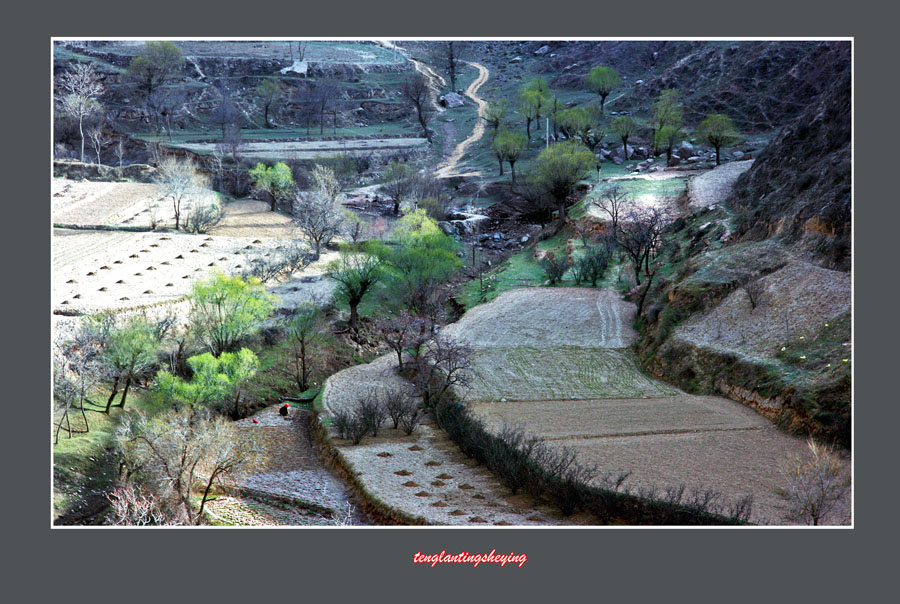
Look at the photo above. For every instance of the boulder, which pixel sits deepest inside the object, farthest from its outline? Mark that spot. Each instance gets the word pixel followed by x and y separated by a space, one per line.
pixel 694 159
pixel 516 60
pixel 523 239
pixel 685 150
pixel 452 99
pixel 447 228
pixel 542 50
pixel 738 155
pixel 620 153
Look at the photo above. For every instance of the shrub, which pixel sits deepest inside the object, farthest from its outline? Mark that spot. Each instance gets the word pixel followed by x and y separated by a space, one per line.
pixel 554 268
pixel 371 414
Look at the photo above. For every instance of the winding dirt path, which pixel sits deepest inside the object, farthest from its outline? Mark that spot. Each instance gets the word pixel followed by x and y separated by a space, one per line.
pixel 448 168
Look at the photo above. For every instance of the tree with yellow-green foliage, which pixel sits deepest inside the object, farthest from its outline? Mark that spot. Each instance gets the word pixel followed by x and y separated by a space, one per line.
pixel 603 80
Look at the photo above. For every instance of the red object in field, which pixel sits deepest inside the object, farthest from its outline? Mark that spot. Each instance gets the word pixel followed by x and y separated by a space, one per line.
pixel 255 421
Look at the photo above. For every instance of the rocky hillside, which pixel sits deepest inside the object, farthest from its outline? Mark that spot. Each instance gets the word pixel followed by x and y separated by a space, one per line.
pixel 799 188
pixel 760 84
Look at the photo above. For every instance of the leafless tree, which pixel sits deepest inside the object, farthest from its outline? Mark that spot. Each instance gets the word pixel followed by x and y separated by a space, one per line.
pixel 640 233
pixel 179 179
pixel 83 86
pixel 120 151
pixel 317 213
pixel 99 141
pixel 816 487
pixel 318 217
pixel 615 202
pixel 134 506
pixel 180 453
pixel 403 333
pixel 754 290
pixel 225 115
pixel 446 363
pixel 415 90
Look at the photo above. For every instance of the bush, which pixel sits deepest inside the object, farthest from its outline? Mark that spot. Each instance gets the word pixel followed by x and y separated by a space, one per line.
pixel 371 414
pixel 554 268
pixel 200 217
pixel 409 419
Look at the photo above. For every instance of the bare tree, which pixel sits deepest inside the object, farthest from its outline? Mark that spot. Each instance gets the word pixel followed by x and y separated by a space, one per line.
pixel 640 235
pixel 754 290
pixel 120 151
pixel 446 363
pixel 403 333
pixel 317 213
pixel 179 179
pixel 415 90
pixel 816 486
pixel 134 506
pixel 180 453
pixel 83 86
pixel 99 141
pixel 615 202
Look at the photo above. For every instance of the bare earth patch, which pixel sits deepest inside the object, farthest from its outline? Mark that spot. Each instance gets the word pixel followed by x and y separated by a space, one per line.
pixel 793 301
pixel 252 218
pixel 715 186
pixel 108 203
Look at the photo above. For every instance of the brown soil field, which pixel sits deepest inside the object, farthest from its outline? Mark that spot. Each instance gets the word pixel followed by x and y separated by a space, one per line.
pixel 795 301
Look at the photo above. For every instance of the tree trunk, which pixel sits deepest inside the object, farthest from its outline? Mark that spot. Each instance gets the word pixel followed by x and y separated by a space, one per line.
pixel 562 214
pixel 528 128
pixel 266 109
pixel 113 395
pixel 353 315
pixel 602 102
pixel 81 132
pixel 273 202
pixel 125 392
pixel 500 161
pixel 512 167
pixel 396 206
pixel 717 156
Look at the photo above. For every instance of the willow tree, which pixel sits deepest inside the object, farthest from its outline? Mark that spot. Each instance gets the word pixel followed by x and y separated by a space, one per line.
pixel 558 170
pixel 718 130
pixel 603 80
pixel 508 146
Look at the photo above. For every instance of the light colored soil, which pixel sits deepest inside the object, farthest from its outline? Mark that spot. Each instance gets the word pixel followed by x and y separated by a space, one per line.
pixel 572 372
pixel 449 167
pixel 796 300
pixel 715 186
pixel 156 275
pixel 108 203
pixel 488 499
pixel 311 149
pixel 547 317
pixel 252 218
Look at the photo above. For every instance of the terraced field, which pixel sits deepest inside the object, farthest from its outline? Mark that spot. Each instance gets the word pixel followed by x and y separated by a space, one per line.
pixel 108 203
pixel 525 373
pixel 553 362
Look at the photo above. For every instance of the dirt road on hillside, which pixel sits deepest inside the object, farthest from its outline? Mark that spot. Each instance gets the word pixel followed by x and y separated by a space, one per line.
pixel 448 167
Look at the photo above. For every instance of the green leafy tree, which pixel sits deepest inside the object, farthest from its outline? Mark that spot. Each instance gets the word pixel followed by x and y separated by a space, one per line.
pixel 603 80
pixel 667 137
pixel 509 146
pixel 494 114
pixel 276 181
pixel 558 170
pixel 269 92
pixel 420 260
pixel 625 128
pixel 534 97
pixel 356 272
pixel 153 65
pixel 584 123
pixel 129 351
pixel 226 309
pixel 667 112
pixel 214 379
pixel 718 130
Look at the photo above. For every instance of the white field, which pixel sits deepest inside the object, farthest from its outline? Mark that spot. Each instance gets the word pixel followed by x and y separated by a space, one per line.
pixel 108 203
